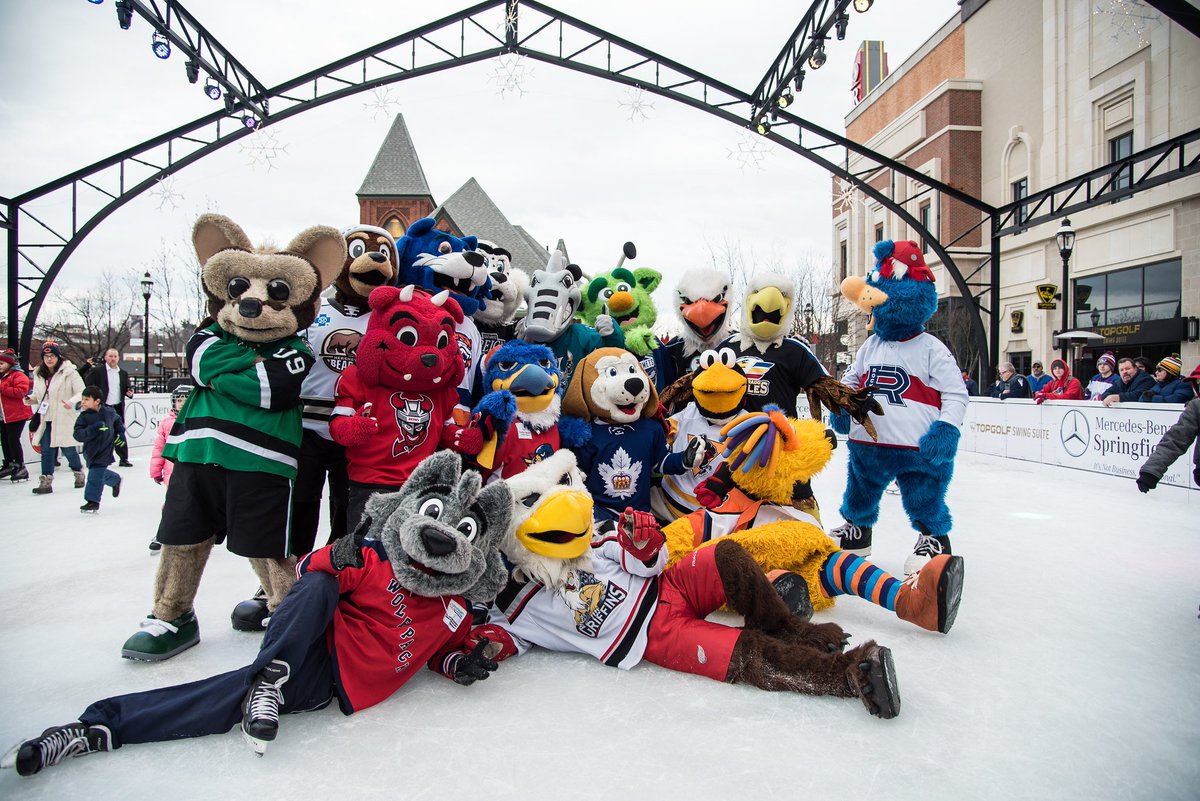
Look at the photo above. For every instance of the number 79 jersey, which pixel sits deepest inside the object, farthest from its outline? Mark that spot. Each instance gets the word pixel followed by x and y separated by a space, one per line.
pixel 918 384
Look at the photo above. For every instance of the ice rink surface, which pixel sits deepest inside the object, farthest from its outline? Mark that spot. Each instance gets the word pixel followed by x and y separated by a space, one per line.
pixel 1072 672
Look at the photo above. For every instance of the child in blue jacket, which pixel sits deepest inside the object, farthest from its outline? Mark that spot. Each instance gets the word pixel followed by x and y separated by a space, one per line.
pixel 98 427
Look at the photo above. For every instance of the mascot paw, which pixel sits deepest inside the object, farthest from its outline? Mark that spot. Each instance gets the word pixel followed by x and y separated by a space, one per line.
pixel 356 430
pixel 495 412
pixel 604 325
pixel 940 443
pixel 573 432
pixel 827 637
pixel 468 440
pixel 640 341
pixel 840 423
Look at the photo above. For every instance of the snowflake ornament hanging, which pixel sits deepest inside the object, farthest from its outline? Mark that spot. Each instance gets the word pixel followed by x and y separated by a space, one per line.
pixel 1132 18
pixel 382 104
pixel 636 103
pixel 262 149
pixel 845 196
pixel 750 152
pixel 164 192
pixel 509 23
pixel 510 74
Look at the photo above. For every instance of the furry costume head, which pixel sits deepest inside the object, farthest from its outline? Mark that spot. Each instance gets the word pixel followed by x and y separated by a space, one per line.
pixel 611 385
pixel 507 286
pixel 899 295
pixel 624 295
pixel 702 298
pixel 370 263
pixel 551 529
pixel 262 295
pixel 718 385
pixel 437 260
pixel 409 342
pixel 551 300
pixel 766 310
pixel 767 453
pixel 531 374
pixel 442 530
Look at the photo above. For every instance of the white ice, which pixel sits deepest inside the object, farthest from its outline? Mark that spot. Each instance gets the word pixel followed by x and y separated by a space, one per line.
pixel 1072 672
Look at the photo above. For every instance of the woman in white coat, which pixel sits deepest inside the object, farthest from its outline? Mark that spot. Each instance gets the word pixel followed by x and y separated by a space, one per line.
pixel 57 387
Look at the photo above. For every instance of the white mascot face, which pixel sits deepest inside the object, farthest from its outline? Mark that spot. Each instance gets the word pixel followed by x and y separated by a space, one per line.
pixel 621 388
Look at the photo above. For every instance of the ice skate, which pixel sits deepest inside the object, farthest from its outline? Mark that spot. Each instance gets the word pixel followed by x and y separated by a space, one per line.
pixel 56 744
pixel 90 508
pixel 20 474
pixel 260 707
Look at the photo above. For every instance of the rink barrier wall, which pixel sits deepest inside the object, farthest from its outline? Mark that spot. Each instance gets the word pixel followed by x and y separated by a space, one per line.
pixel 1082 435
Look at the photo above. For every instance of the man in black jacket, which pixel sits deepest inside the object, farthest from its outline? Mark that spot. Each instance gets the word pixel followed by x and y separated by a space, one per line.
pixel 114 383
pixel 1131 386
pixel 1010 384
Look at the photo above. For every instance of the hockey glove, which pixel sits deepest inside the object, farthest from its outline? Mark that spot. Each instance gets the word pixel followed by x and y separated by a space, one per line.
pixel 639 534
pixel 1146 482
pixel 713 490
pixel 347 549
pixel 698 453
pixel 500 645
pixel 604 325
pixel 473 667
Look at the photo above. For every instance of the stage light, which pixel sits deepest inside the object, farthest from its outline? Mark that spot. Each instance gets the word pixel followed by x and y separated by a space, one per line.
pixel 124 14
pixel 786 99
pixel 212 89
pixel 95 2
pixel 840 24
pixel 863 5
pixel 817 59
pixel 799 80
pixel 192 69
pixel 250 122
pixel 160 45
pixel 763 127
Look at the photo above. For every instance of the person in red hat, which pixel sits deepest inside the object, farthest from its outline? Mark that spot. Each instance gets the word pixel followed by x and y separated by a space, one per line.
pixel 1062 387
pixel 14 386
pixel 1175 442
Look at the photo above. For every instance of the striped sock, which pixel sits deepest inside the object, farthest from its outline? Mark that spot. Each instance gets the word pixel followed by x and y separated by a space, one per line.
pixel 846 574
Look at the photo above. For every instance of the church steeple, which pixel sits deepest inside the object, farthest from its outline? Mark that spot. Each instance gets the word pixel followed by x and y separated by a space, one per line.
pixel 395 194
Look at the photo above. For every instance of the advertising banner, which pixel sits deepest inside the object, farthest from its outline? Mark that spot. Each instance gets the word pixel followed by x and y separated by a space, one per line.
pixel 1082 435
pixel 142 416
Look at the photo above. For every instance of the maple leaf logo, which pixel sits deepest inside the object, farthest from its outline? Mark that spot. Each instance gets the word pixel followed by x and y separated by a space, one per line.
pixel 621 476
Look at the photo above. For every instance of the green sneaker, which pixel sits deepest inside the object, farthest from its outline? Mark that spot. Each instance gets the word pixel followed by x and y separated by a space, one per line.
pixel 158 640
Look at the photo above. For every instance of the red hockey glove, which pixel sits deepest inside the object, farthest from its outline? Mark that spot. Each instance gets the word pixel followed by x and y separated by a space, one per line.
pixel 500 645
pixel 357 429
pixel 714 489
pixel 639 534
pixel 466 439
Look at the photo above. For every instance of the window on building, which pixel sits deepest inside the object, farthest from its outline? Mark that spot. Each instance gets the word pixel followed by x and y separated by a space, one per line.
pixel 1020 191
pixel 879 232
pixel 1121 147
pixel 843 260
pixel 395 227
pixel 924 216
pixel 1150 292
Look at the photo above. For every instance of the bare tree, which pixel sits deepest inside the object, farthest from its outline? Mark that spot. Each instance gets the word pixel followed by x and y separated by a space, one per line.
pixel 88 322
pixel 178 303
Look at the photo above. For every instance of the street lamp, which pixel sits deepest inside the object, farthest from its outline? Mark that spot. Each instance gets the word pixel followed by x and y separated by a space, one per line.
pixel 159 362
pixel 147 288
pixel 1065 237
pixel 808 321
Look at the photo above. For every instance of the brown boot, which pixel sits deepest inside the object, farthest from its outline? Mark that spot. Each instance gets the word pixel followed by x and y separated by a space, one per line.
pixel 929 598
pixel 80 479
pixel 45 485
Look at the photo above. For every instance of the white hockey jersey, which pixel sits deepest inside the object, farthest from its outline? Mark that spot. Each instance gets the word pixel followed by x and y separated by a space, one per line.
pixel 918 384
pixel 675 496
pixel 470 347
pixel 333 337
pixel 604 613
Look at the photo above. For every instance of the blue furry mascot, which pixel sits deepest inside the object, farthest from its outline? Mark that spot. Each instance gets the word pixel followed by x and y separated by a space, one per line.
pixel 916 379
pixel 521 412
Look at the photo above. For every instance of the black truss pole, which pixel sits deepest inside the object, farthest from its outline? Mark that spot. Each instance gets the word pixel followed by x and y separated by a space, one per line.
pixel 812 31
pixel 993 351
pixel 13 307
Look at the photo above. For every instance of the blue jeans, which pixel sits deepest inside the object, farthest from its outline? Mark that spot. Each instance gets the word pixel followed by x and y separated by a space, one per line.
pixel 296 635
pixel 49 455
pixel 97 479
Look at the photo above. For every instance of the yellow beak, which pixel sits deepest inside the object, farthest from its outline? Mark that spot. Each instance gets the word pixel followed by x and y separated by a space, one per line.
pixel 561 526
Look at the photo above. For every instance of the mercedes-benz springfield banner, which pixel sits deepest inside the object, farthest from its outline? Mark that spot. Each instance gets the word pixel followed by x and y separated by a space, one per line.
pixel 1083 435
pixel 142 416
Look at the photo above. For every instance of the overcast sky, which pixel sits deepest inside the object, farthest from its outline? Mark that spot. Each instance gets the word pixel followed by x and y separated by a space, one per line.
pixel 562 159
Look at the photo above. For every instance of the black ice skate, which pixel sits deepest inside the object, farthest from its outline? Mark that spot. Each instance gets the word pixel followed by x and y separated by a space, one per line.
pixel 56 744
pixel 260 708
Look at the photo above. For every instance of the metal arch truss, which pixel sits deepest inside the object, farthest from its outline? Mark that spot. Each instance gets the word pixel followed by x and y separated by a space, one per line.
pixel 45 225
pixel 812 32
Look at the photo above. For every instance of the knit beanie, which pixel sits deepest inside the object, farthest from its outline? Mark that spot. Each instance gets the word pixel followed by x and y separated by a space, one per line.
pixel 49 348
pixel 1172 365
pixel 8 357
pixel 1107 357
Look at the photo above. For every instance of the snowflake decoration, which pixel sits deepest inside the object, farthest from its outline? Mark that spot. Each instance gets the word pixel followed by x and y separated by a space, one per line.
pixel 165 192
pixel 1129 18
pixel 637 104
pixel 262 148
pixel 509 24
pixel 750 152
pixel 845 196
pixel 382 103
pixel 510 74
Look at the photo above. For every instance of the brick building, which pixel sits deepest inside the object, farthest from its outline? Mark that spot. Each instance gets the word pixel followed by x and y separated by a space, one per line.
pixel 1010 97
